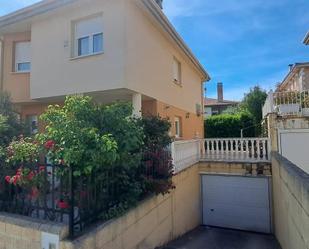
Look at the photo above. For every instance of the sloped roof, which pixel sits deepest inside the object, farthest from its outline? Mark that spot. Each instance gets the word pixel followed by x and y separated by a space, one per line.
pixel 306 39
pixel 215 102
pixel 291 73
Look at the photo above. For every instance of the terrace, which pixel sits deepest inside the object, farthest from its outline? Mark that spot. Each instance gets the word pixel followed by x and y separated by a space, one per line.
pixel 289 103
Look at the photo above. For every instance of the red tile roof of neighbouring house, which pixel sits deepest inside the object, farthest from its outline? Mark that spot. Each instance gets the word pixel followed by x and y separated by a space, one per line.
pixel 215 102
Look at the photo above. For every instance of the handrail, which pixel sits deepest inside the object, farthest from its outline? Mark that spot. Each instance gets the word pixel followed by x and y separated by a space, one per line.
pixel 287 103
pixel 188 152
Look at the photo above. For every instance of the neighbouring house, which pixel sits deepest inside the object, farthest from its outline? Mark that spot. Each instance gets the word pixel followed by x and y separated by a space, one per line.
pixel 290 106
pixel 218 105
pixel 297 78
pixel 306 39
pixel 111 50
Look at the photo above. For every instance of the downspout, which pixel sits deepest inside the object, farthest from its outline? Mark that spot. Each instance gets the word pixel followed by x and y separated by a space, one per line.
pixel 1 63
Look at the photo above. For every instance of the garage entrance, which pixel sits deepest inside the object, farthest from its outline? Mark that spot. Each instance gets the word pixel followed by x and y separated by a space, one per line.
pixel 237 202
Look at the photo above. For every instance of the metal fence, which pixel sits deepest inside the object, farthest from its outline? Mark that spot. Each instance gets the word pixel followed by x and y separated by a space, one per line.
pixel 55 193
pixel 36 190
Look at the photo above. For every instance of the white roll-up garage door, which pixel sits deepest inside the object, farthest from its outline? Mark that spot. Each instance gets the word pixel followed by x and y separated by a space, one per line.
pixel 236 202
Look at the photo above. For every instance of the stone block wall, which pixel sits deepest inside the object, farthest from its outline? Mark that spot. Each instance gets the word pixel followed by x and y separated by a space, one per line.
pixel 291 204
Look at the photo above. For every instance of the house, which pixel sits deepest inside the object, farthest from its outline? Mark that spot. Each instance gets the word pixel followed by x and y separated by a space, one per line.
pixel 123 50
pixel 306 39
pixel 297 78
pixel 217 106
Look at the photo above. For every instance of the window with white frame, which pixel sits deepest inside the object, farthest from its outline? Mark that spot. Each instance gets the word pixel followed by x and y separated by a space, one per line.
pixel 89 36
pixel 22 56
pixel 176 71
pixel 177 127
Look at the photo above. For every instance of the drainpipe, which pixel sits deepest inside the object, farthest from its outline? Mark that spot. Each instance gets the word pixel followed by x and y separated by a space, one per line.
pixel 1 63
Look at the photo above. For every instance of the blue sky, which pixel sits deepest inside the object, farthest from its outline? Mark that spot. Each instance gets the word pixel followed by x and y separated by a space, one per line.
pixel 240 42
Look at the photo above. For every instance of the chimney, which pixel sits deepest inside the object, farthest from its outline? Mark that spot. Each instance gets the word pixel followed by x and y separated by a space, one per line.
pixel 160 3
pixel 220 92
pixel 291 67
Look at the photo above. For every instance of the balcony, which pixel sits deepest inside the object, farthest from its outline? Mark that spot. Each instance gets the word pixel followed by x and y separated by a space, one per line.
pixel 231 150
pixel 295 103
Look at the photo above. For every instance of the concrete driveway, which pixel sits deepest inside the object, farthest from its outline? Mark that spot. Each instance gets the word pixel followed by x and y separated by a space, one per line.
pixel 215 238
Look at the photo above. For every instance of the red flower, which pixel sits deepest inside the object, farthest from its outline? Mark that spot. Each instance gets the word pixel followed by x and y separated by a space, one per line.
pixel 49 144
pixel 41 168
pixel 31 175
pixel 15 179
pixel 63 204
pixel 8 179
pixel 18 172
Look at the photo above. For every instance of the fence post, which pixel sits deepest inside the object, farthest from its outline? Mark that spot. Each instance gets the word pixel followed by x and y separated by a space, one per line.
pixel 71 212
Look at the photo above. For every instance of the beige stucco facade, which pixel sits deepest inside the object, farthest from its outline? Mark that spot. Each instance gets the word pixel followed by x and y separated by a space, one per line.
pixel 297 79
pixel 137 57
pixel 17 84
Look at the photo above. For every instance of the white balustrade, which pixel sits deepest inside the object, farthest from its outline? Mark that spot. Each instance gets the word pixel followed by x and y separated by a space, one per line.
pixel 287 103
pixel 186 153
pixel 236 149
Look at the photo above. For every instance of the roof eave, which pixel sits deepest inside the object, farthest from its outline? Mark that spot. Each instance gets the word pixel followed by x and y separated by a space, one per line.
pixel 306 39
pixel 158 14
pixel 31 11
pixel 292 72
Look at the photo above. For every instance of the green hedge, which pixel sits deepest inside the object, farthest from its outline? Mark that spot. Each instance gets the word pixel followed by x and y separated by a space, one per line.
pixel 229 125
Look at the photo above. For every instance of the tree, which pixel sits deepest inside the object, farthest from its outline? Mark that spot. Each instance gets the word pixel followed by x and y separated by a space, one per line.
pixel 13 127
pixel 229 125
pixel 253 102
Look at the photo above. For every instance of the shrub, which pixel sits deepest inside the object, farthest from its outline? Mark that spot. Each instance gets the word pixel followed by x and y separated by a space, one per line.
pixel 11 126
pixel 157 162
pixel 229 125
pixel 116 159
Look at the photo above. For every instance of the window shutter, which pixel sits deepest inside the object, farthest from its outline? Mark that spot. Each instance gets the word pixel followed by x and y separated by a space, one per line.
pixel 22 52
pixel 89 27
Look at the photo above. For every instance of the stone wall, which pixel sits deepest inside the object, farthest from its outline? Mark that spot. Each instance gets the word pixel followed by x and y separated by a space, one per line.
pixel 153 223
pixel 291 204
pixel 19 232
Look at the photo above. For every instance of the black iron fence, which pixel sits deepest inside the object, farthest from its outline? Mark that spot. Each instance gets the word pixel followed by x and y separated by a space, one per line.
pixel 55 193
pixel 36 190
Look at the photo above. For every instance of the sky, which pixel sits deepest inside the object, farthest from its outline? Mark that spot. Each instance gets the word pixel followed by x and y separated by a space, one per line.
pixel 241 43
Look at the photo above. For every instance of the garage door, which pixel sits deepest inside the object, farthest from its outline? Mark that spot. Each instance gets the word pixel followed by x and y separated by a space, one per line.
pixel 236 202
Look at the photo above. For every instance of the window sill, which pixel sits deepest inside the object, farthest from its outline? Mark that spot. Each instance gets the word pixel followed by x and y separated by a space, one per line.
pixel 85 56
pixel 22 72
pixel 177 83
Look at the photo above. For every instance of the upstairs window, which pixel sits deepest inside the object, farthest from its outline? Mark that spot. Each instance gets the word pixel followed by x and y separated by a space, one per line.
pixel 176 71
pixel 22 57
pixel 89 36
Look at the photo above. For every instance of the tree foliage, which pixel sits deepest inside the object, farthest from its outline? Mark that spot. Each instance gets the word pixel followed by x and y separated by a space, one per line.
pixel 229 125
pixel 253 103
pixel 106 143
pixel 10 126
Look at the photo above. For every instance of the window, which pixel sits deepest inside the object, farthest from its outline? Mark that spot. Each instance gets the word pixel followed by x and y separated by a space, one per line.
pixel 177 127
pixel 89 36
pixel 176 71
pixel 32 121
pixel 83 46
pixel 98 43
pixel 22 57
